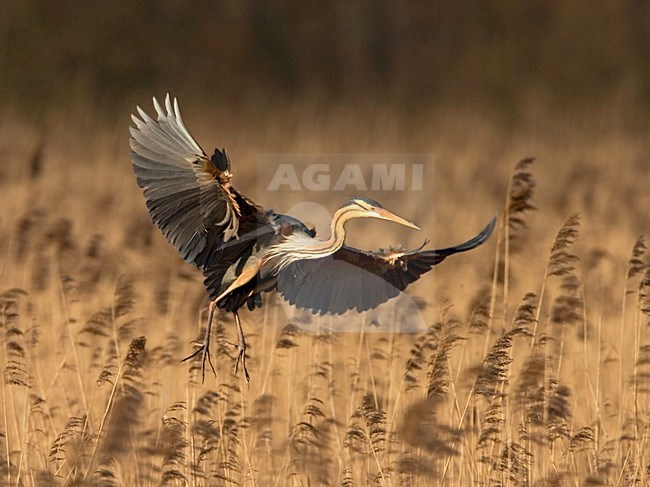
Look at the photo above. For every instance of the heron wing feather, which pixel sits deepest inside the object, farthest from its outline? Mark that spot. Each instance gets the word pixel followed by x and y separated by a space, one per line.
pixel 189 199
pixel 362 280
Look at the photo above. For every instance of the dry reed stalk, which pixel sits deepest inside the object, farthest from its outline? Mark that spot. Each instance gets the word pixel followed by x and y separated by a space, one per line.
pixel 519 196
pixel 641 379
pixel 561 261
pixel 636 266
pixel 122 414
pixel 15 375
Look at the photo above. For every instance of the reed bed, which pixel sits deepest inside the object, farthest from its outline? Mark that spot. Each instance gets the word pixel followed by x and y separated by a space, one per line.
pixel 534 368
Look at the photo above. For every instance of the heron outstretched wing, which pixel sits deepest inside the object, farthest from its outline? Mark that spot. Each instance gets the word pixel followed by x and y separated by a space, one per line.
pixel 356 279
pixel 189 195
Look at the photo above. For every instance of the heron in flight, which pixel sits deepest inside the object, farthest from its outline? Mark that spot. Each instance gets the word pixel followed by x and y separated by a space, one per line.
pixel 244 250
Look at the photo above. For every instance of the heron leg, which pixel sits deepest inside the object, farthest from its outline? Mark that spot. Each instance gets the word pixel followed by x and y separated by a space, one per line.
pixel 204 349
pixel 242 349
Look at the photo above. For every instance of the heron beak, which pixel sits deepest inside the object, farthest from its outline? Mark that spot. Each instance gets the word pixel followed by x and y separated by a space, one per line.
pixel 387 215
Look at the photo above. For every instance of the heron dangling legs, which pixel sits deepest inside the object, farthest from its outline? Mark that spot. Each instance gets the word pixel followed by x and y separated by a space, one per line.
pixel 204 348
pixel 244 250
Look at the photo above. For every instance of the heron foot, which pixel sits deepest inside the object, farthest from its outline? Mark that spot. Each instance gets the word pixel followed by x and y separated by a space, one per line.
pixel 241 357
pixel 204 348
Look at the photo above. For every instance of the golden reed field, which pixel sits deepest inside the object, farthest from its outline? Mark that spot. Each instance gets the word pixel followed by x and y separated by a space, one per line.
pixel 533 367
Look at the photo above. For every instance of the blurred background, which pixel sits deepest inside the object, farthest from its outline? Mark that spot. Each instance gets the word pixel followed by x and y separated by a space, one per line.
pixel 496 57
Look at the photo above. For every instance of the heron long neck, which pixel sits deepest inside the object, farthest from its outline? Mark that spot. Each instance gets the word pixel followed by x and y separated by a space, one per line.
pixel 337 230
pixel 323 248
pixel 300 246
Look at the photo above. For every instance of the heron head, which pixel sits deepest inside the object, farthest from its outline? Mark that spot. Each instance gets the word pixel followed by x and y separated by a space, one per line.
pixel 221 162
pixel 369 208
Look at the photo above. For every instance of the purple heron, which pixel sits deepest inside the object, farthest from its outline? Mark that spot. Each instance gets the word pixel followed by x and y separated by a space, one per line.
pixel 244 250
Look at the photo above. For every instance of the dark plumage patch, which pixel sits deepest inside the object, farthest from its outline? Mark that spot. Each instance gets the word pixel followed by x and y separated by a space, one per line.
pixel 220 160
